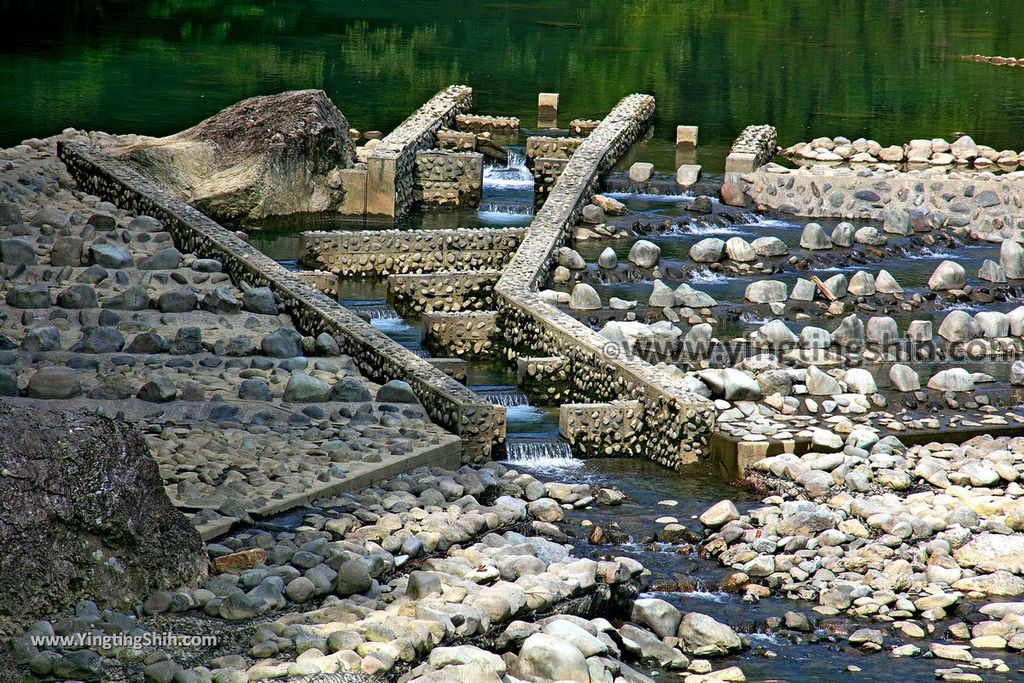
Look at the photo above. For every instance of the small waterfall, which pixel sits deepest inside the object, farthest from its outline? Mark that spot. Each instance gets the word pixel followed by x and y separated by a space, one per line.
pixel 540 453
pixel 504 397
pixel 514 175
pixel 381 313
pixel 506 211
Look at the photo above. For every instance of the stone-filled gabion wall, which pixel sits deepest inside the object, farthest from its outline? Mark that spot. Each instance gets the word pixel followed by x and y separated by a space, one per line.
pixel 676 425
pixel 465 334
pixel 989 204
pixel 457 290
pixel 449 179
pixel 480 424
pixel 600 430
pixel 551 148
pixel 394 158
pixel 498 125
pixel 384 252
pixel 755 147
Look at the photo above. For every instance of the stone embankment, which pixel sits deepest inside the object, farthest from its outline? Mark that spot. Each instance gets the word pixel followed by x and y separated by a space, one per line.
pixel 479 424
pixel 962 152
pixel 371 253
pixel 110 310
pixel 676 424
pixel 434 575
pixel 988 205
pixel 927 541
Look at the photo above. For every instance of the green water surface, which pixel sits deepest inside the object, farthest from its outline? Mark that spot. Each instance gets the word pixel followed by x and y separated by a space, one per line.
pixel 889 69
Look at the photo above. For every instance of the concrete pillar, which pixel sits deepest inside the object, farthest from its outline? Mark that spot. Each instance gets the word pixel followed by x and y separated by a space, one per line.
pixel 686 136
pixel 547 105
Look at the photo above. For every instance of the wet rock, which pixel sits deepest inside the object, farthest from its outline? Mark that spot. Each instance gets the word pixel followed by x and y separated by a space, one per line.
pixel 885 283
pixel 948 275
pixel 110 256
pixel 814 238
pixel 396 391
pixel 644 254
pixel 640 172
pixel 766 292
pixel 608 259
pixel 991 271
pixel 769 246
pixel 708 250
pixel 738 249
pixel 584 298
pixel 702 636
pixel 687 175
pixel 1011 258
pixel 54 382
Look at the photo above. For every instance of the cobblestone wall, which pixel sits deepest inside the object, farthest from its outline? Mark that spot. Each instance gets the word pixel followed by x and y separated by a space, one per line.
pixel 480 424
pixel 458 290
pixel 385 252
pixel 990 205
pixel 675 425
pixel 449 179
pixel 390 169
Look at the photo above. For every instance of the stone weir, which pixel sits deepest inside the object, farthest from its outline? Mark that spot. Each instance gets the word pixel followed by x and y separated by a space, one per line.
pixel 390 170
pixel 379 253
pixel 675 426
pixel 479 424
pixel 986 203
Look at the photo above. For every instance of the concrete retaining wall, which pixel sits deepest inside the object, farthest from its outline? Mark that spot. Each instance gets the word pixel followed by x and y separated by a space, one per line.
pixel 385 252
pixel 675 425
pixel 480 424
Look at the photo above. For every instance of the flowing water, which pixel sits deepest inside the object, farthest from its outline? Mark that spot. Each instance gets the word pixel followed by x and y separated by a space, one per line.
pixel 854 67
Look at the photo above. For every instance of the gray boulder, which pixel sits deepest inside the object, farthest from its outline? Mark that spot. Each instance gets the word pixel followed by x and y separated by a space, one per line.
pixel 1011 258
pixel 708 250
pixel 948 275
pixel 644 254
pixel 86 517
pixel 702 636
pixel 584 298
pixel 814 238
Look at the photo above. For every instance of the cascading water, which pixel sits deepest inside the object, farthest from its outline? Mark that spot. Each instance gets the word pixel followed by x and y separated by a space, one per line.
pixel 507 397
pixel 514 175
pixel 535 452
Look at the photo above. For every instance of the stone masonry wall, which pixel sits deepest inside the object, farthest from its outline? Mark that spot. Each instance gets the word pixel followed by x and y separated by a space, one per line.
pixel 384 252
pixel 990 205
pixel 497 125
pixel 458 290
pixel 390 169
pixel 550 147
pixel 480 424
pixel 676 425
pixel 449 179
pixel 755 147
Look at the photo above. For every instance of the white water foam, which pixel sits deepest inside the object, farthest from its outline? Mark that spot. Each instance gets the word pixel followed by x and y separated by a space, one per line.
pixel 536 453
pixel 705 276
pixel 648 197
pixel 514 175
pixel 927 254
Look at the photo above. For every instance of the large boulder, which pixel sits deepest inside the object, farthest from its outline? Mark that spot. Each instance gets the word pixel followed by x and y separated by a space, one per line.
pixel 84 516
pixel 702 636
pixel 545 658
pixel 264 156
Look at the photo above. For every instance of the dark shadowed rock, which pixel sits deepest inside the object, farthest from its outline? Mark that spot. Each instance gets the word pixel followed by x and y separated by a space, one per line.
pixel 84 516
pixel 264 156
